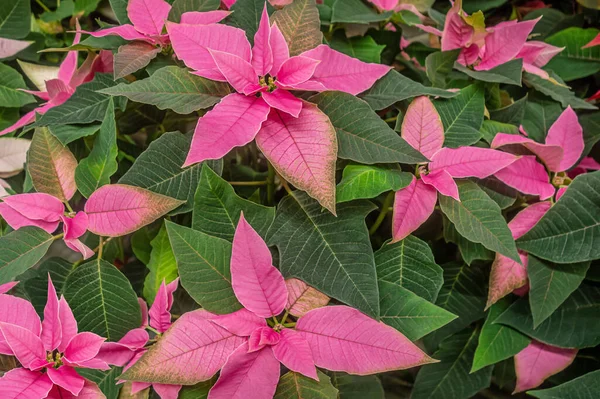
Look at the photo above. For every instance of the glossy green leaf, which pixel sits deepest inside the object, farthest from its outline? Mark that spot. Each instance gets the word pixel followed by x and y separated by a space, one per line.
pixel 394 87
pixel 332 254
pixel 409 263
pixel 450 379
pixel 95 171
pixel 509 73
pixel 198 391
pixel 102 300
pixel 356 12
pixel 173 88
pixel 479 219
pixel 85 105
pixel 511 114
pixel 68 133
pixel 570 231
pixel 557 90
pixel 37 286
pixel 490 128
pixel 462 116
pixel 539 115
pixel 363 48
pixel 181 6
pixel 438 66
pixel 203 262
pixel 217 208
pixel 496 341
pixel 356 386
pixel 106 380
pixel 585 387
pixel 471 6
pixel 551 284
pixel 20 250
pixel 11 82
pixel 15 18
pixel 162 265
pixel 246 16
pixel 296 386
pixel 300 25
pixel 120 9
pixel 362 135
pixel 64 10
pixel 8 116
pixel 499 192
pixel 158 169
pixel 591 130
pixel 573 325
pixel 469 250
pixel 574 62
pixel 362 181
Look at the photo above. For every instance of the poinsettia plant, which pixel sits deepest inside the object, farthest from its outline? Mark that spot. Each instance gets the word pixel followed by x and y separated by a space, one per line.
pixel 299 198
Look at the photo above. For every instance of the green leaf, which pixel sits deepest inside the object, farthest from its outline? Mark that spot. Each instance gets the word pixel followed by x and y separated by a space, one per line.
pixel 552 21
pixel 8 116
pixel 203 263
pixel 15 18
pixel 181 6
pixel 246 16
pixel 363 48
pixel 37 286
pixel 158 169
pixel 574 62
pixel 462 116
pixel 450 379
pixel 68 133
pixel 499 192
pixel 217 208
pixel 469 250
pixel 173 88
pixel 540 114
pixel 362 181
pixel 573 325
pixel 362 135
pixel 394 87
pixel 408 313
pixel 355 12
pixel 95 171
pixel 471 6
pixel 508 73
pixel 464 294
pixel 591 130
pixel 120 9
pixel 64 10
pixel 551 284
pixel 198 391
pixel 20 250
pixel 512 114
pixel 497 342
pixel 356 386
pixel 106 380
pixel 10 82
pixel 479 219
pixel 332 254
pixel 102 300
pixel 438 66
pixel 489 129
pixel 162 265
pixel 585 387
pixel 132 57
pixel 85 105
pixel 296 386
pixel 409 263
pixel 570 231
pixel 557 90
pixel 299 22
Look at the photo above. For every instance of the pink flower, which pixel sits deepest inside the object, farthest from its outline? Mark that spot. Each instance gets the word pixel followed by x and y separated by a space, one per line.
pixel 422 128
pixel 48 351
pixel 58 90
pixel 249 349
pixel 148 18
pixel 46 212
pixel 131 347
pixel 397 6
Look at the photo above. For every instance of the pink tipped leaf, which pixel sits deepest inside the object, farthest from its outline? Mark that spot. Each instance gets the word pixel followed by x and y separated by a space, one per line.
pixel 457 33
pixel 23 121
pixel 422 127
pixel 538 53
pixel 89 391
pixel 261 337
pixel 337 71
pixel 160 311
pixel 78 246
pixel 386 5
pixel 296 70
pixel 589 163
pixel 560 192
pixel 242 322
pixel 117 209
pixel 10 47
pixel 167 391
pixel 25 345
pixel 246 375
pixel 527 218
pixel 551 155
pixel 567 133
pixel 594 42
pixel 539 361
pixel 36 206
pixel 442 181
pixel 412 207
pixel 51 328
pixel 67 378
pixel 303 150
pixel 122 352
pixel 303 298
pixel 148 16
pixel 279 48
pixel 69 65
pixel 344 339
pixel 76 226
pixel 233 122
pixel 83 347
pixel 68 323
pixel 17 220
pixel 506 276
pixel 470 161
pixel 527 176
pixel 262 54
pixel 127 32
pixel 204 18
pixel 20 383
pixel 19 312
pixel 192 350
pixel 294 353
pixel 284 101
pixel 257 284
pixel 4 288
pixel 238 72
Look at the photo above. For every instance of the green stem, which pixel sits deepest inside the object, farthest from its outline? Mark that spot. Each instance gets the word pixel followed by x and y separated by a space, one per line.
pixel 100 248
pixel 270 184
pixel 382 213
pixel 290 325
pixel 68 206
pixel 389 120
pixel 43 5
pixel 249 183
pixel 58 236
pixel 285 316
